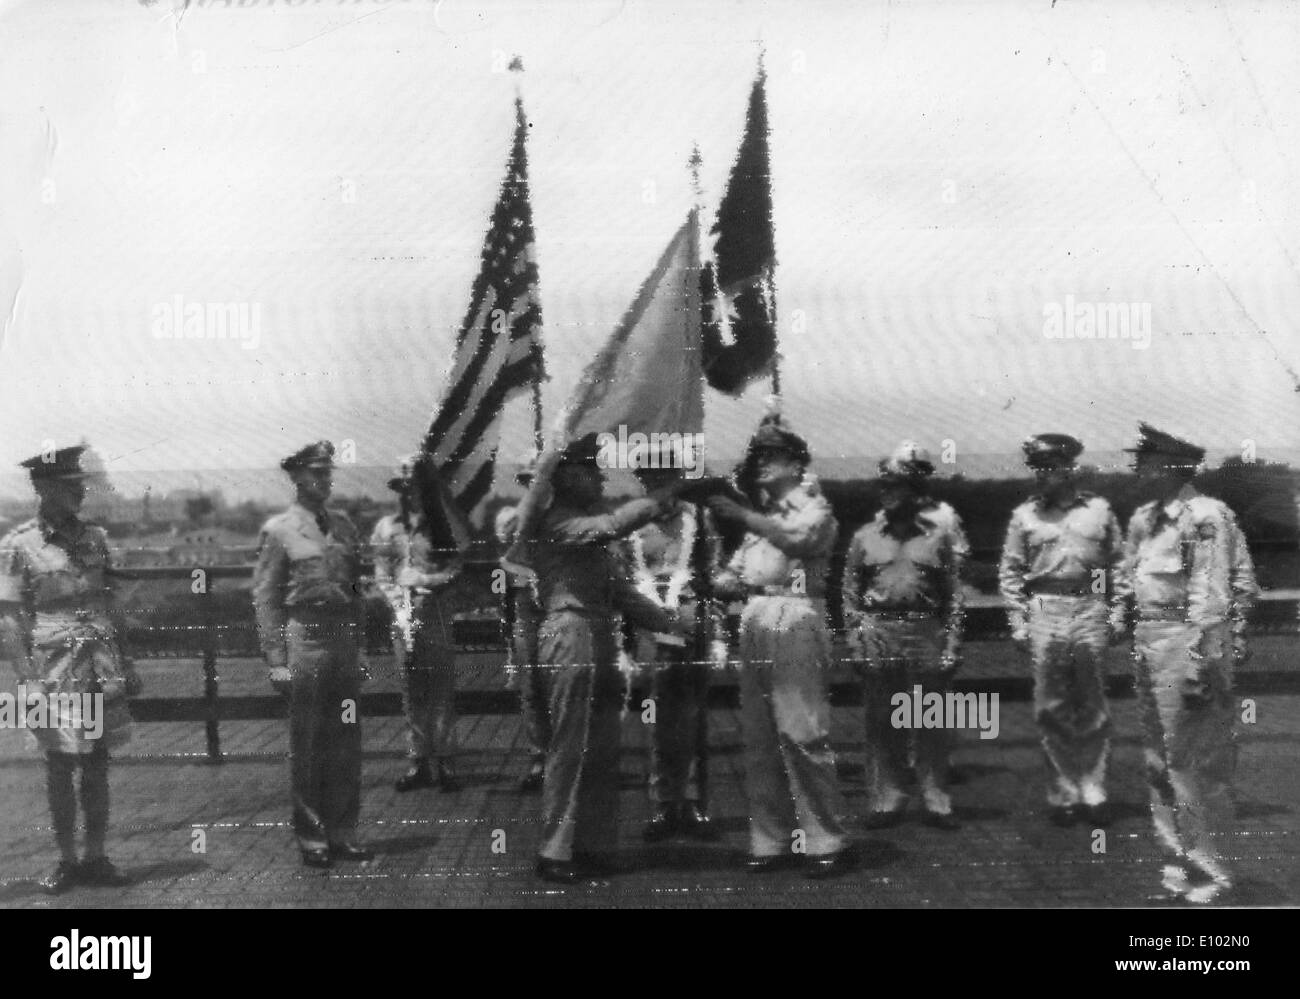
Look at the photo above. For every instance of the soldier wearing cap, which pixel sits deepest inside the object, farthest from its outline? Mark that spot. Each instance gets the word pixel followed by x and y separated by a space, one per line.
pixel 306 594
pixel 57 628
pixel 785 645
pixel 581 589
pixel 671 558
pixel 1188 576
pixel 418 553
pixel 523 617
pixel 1057 575
pixel 903 607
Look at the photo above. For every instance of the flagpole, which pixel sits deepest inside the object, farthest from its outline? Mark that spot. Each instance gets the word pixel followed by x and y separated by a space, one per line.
pixel 771 289
pixel 703 587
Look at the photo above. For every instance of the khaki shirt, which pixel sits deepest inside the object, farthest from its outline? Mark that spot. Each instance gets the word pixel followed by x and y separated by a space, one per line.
pixel 798 556
pixel 299 569
pixel 1079 547
pixel 45 578
pixel 654 554
pixel 577 571
pixel 917 570
pixel 393 548
pixel 1188 557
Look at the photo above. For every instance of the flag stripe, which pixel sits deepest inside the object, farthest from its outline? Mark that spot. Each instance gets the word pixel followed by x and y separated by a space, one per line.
pixel 498 348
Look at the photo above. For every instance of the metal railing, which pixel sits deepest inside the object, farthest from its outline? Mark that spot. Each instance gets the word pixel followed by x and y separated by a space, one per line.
pixel 207 632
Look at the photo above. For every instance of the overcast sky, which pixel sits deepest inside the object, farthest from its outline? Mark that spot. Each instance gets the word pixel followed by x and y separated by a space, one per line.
pixel 942 172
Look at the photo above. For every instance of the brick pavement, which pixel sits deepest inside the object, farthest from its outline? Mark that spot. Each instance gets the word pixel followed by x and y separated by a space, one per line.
pixel 436 850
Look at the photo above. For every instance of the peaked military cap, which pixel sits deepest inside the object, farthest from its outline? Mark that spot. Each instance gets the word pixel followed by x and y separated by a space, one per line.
pixel 317 455
pixel 65 463
pixel 1043 448
pixel 583 451
pixel 403 474
pixel 908 462
pixel 773 435
pixel 1153 441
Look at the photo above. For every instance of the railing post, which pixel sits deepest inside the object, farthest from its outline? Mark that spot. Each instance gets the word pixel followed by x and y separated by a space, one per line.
pixel 211 705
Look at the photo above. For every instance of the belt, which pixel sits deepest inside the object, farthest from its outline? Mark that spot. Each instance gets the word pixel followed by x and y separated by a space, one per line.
pixel 1162 614
pixel 778 591
pixel 904 615
pixel 1052 588
pixel 336 614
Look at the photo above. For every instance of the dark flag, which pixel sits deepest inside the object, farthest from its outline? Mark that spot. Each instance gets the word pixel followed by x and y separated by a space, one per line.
pixel 736 287
pixel 498 350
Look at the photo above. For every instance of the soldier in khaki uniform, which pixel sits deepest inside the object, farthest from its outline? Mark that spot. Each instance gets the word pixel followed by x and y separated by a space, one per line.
pixel 903 608
pixel 523 617
pixel 1189 576
pixel 57 628
pixel 1057 575
pixel 780 567
pixel 413 569
pixel 580 591
pixel 666 558
pixel 306 593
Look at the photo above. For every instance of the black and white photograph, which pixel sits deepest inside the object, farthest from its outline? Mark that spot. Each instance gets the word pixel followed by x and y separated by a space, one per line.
pixel 619 454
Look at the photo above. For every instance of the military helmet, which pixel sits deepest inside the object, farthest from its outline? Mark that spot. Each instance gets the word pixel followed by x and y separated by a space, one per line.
pixel 909 462
pixel 1048 449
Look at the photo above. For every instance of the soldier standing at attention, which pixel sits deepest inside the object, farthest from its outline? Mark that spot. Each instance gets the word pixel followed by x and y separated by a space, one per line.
pixel 580 590
pixel 306 593
pixel 1062 549
pixel 665 557
pixel 418 553
pixel 903 607
pixel 522 617
pixel 1189 575
pixel 785 646
pixel 57 629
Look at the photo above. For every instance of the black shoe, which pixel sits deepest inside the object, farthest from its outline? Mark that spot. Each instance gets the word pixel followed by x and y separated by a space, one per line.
pixel 535 779
pixel 349 851
pixel 694 822
pixel 60 879
pixel 829 864
pixel 662 826
pixel 885 820
pixel 447 781
pixel 1063 816
pixel 595 865
pixel 1098 816
pixel 415 778
pixel 941 820
pixel 317 858
pixel 561 872
pixel 100 872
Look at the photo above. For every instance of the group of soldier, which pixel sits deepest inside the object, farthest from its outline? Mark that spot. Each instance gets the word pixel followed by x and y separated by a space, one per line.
pixel 649 581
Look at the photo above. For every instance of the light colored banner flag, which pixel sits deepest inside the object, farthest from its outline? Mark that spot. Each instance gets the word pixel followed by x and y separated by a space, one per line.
pixel 646 378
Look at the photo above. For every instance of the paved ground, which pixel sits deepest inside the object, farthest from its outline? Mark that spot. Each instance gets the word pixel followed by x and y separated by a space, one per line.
pixel 437 850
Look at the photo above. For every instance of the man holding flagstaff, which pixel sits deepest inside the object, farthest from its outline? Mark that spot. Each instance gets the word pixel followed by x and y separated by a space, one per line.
pixel 671 559
pixel 785 644
pixel 412 572
pixel 580 591
pixel 522 617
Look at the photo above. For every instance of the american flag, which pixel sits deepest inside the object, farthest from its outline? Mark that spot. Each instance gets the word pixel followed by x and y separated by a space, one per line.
pixel 499 347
